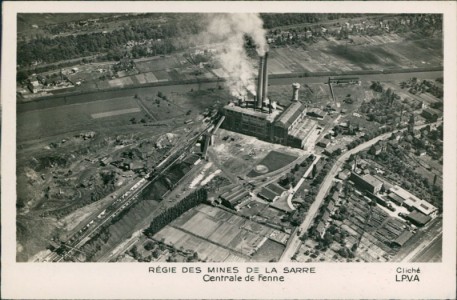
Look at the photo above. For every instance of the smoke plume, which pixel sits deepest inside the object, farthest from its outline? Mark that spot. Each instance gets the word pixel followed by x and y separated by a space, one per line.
pixel 230 30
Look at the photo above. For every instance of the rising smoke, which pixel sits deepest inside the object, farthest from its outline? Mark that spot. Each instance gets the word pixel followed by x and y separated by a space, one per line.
pixel 230 30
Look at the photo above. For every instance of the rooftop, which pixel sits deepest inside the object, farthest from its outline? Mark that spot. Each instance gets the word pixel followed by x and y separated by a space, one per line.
pixel 373 181
pixel 275 188
pixel 403 237
pixel 419 217
pixel 267 194
pixel 251 112
pixel 411 200
pixel 290 114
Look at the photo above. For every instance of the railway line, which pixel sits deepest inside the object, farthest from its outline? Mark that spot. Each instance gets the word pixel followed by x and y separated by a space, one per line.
pixel 127 199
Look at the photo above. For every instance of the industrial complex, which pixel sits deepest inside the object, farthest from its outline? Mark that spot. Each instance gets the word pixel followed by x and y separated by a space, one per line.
pixel 265 119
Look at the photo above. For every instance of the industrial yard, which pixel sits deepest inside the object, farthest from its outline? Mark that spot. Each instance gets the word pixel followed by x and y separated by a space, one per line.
pixel 319 144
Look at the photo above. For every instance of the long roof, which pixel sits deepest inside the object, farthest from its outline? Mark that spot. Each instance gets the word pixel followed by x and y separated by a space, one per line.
pixel 403 237
pixel 418 217
pixel 411 200
pixel 275 188
pixel 267 194
pixel 290 114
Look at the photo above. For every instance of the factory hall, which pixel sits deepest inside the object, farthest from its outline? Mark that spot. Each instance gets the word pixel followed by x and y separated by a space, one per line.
pixel 261 117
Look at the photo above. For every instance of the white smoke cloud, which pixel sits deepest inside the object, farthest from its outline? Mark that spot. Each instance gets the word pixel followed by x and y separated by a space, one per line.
pixel 230 30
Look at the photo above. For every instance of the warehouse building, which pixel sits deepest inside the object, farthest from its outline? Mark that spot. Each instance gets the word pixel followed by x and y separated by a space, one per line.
pixel 366 182
pixel 235 198
pixel 411 202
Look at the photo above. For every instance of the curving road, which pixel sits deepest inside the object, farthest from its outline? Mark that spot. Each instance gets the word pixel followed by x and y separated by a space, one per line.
pixel 293 245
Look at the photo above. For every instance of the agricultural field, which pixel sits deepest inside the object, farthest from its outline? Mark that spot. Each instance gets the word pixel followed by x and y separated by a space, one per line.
pixel 74 117
pixel 218 235
pixel 387 51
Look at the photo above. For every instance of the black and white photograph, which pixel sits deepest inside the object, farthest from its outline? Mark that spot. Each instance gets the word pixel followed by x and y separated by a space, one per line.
pixel 299 139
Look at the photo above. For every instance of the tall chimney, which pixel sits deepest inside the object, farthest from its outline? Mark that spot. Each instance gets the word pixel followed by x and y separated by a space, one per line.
pixel 295 87
pixel 259 84
pixel 265 77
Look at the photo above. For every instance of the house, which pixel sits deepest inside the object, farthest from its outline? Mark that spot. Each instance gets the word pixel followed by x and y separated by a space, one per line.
pixel 34 86
pixel 336 196
pixel 326 217
pixel 421 152
pixel 432 114
pixel 331 207
pixel 332 150
pixel 320 229
pixel 343 175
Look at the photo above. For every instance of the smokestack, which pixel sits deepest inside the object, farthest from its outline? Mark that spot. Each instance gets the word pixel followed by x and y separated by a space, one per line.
pixel 295 88
pixel 265 77
pixel 259 84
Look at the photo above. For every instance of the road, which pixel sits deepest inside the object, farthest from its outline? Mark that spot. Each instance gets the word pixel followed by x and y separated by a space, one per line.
pixel 300 182
pixel 425 244
pixel 323 190
pixel 293 245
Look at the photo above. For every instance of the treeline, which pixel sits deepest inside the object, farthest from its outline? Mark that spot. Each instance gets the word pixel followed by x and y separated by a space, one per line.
pixel 368 136
pixel 277 20
pixel 174 212
pixel 51 50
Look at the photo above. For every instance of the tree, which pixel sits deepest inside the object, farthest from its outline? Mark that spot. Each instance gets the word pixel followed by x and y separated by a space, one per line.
pixel 314 171
pixel 156 253
pixel 21 76
pixel 149 245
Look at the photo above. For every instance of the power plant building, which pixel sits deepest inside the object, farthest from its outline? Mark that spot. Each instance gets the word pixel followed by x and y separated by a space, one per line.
pixel 261 118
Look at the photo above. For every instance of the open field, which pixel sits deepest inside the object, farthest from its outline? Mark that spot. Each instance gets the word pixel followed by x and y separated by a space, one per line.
pixel 364 53
pixel 273 161
pixel 240 155
pixel 68 118
pixel 114 113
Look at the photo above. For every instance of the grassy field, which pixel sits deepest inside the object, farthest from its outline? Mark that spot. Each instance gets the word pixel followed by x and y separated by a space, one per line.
pixel 81 116
pixel 274 161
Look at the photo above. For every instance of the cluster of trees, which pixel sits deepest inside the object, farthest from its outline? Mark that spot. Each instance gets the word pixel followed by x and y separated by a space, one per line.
pixel 277 20
pixel 174 212
pixel 396 161
pixel 95 244
pixel 296 173
pixel 322 172
pixel 76 46
pixel 368 136
pixel 386 108
pixel 416 86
